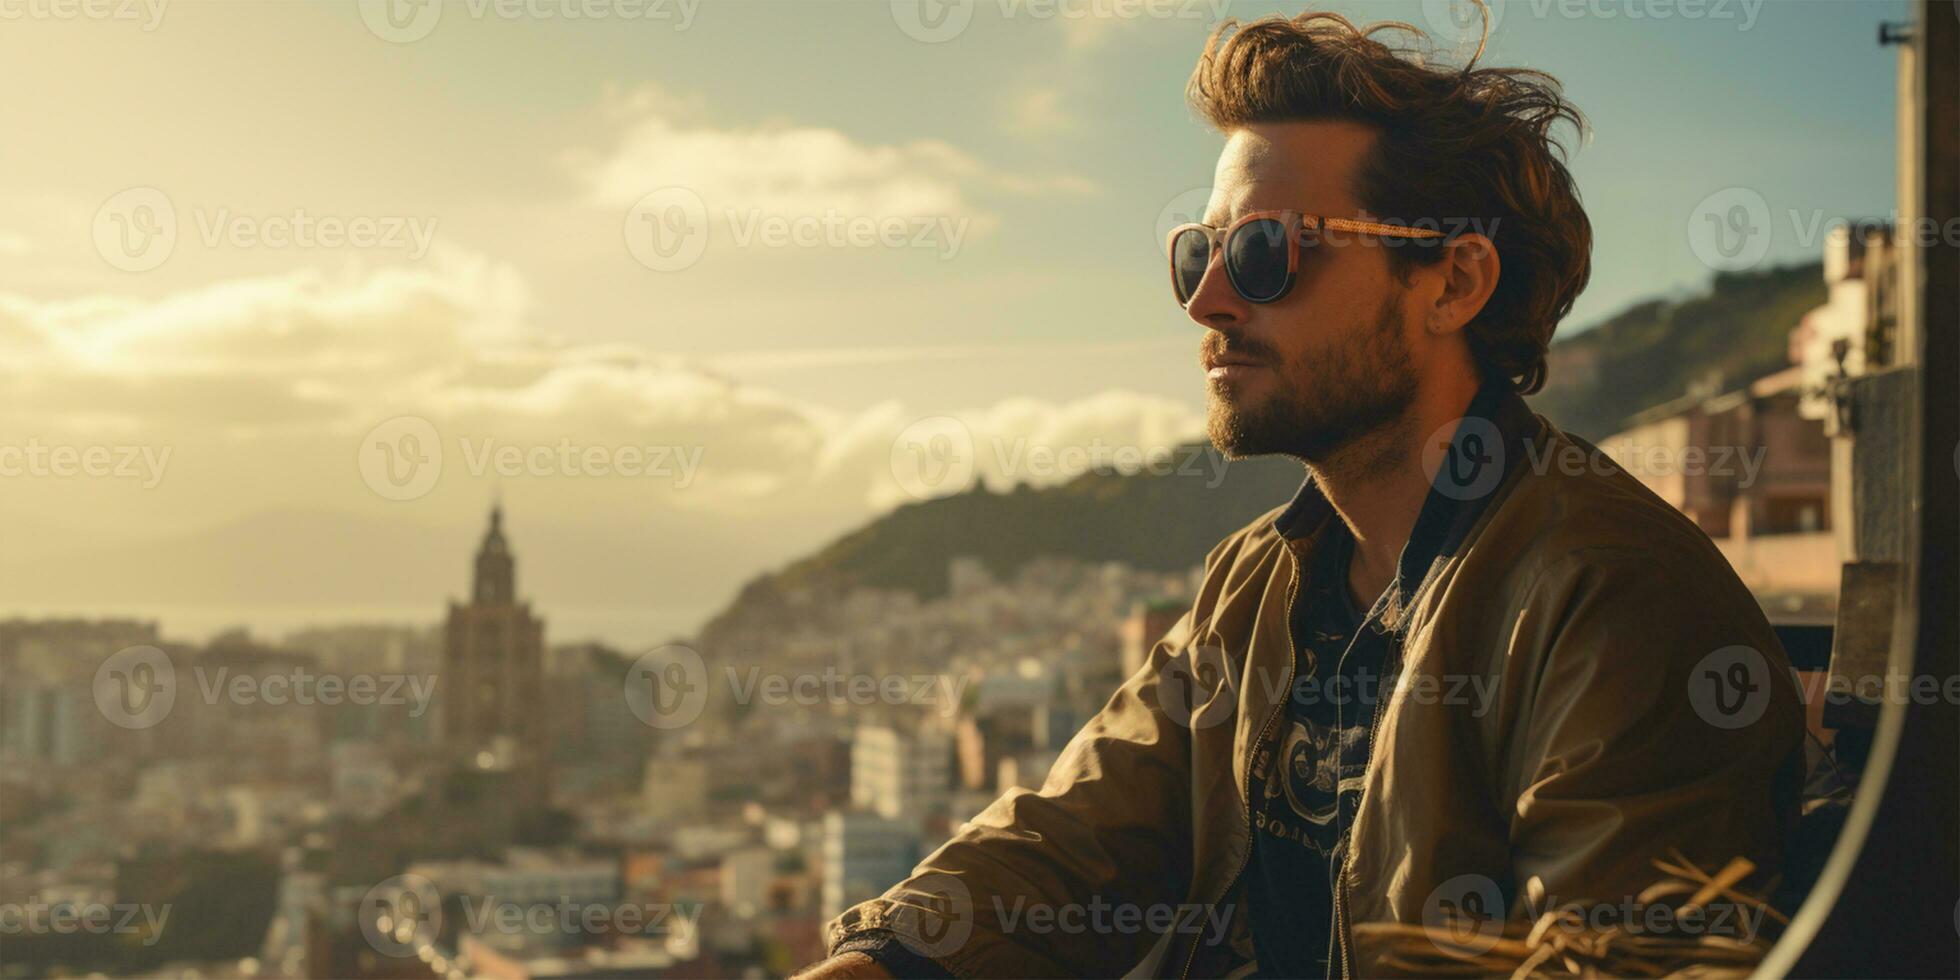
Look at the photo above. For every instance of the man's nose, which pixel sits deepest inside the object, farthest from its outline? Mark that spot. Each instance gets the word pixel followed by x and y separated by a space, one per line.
pixel 1215 304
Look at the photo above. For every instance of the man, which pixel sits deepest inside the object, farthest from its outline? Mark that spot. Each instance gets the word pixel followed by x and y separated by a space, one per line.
pixel 1468 655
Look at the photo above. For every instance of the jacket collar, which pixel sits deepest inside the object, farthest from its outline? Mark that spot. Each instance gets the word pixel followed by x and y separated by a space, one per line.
pixel 1486 446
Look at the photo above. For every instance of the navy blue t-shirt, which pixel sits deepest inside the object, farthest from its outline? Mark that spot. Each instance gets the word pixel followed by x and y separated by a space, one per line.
pixel 1307 777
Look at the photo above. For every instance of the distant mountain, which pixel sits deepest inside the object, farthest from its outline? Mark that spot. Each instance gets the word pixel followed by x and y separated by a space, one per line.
pixel 1162 521
pixel 1650 352
pixel 1638 358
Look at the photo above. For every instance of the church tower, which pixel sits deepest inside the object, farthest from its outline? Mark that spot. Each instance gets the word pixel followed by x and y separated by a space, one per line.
pixel 492 682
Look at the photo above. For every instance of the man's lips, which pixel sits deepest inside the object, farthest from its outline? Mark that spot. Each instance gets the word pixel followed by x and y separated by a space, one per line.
pixel 1226 366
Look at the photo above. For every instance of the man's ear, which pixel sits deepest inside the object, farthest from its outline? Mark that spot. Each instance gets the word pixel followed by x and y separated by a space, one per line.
pixel 1469 274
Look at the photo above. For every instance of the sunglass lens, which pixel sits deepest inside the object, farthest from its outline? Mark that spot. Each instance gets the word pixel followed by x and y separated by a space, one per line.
pixel 1190 255
pixel 1255 255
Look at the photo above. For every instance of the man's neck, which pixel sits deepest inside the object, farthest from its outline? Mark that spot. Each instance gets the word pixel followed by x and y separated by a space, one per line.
pixel 1377 485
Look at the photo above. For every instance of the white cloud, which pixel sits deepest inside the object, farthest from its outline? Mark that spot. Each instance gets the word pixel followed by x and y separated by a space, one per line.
pixel 1036 112
pixel 266 386
pixel 779 168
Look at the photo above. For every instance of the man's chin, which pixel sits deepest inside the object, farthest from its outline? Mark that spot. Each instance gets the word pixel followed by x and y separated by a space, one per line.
pixel 1229 427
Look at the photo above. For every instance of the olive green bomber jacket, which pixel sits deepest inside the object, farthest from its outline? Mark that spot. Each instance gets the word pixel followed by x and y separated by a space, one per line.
pixel 1583 684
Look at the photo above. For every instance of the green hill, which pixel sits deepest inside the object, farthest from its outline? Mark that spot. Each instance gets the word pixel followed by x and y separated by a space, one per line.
pixel 1162 521
pixel 1650 352
pixel 1638 358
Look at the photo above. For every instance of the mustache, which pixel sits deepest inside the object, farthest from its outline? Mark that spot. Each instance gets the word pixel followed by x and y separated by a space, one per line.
pixel 1218 344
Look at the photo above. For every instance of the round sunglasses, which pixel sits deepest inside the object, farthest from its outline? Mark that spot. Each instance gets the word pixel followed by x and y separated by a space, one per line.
pixel 1262 250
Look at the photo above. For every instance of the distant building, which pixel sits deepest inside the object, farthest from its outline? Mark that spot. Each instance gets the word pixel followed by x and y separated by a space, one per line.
pixel 528 879
pixel 1855 330
pixel 1146 624
pixel 967 575
pixel 864 854
pixel 902 775
pixel 493 670
pixel 746 875
pixel 1754 474
pixel 58 725
pixel 674 789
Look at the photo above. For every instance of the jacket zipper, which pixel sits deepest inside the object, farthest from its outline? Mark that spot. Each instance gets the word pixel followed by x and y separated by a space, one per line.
pixel 1341 925
pixel 1292 666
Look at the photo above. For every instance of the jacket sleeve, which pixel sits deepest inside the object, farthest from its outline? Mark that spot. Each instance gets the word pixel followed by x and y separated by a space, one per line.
pixel 1665 716
pixel 1110 828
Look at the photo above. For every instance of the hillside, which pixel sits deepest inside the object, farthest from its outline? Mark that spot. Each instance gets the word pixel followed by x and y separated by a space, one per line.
pixel 1164 521
pixel 1638 358
pixel 1650 352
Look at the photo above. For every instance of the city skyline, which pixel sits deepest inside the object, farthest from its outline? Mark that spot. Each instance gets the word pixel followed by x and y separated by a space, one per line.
pixel 331 284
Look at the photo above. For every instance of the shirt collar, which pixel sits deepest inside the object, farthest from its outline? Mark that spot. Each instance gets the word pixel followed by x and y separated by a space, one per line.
pixel 1484 448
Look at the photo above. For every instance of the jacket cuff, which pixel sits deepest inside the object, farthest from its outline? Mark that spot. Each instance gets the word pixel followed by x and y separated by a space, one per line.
pixel 897 959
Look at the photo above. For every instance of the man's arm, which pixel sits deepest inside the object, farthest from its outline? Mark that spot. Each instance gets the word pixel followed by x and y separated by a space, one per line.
pixel 846 966
pixel 1111 825
pixel 1665 717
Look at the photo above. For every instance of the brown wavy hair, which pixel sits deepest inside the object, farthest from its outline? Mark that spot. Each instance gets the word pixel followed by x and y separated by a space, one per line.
pixel 1471 148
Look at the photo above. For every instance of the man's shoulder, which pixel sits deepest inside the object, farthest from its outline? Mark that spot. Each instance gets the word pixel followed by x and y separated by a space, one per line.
pixel 1573 505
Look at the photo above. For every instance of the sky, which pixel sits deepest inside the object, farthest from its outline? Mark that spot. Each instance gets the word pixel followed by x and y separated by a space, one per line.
pixel 315 282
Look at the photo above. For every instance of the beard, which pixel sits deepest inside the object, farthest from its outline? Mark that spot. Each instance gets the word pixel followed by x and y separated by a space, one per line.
pixel 1326 400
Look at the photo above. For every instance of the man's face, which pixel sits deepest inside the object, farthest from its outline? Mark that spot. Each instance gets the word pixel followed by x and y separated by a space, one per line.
pixel 1330 361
